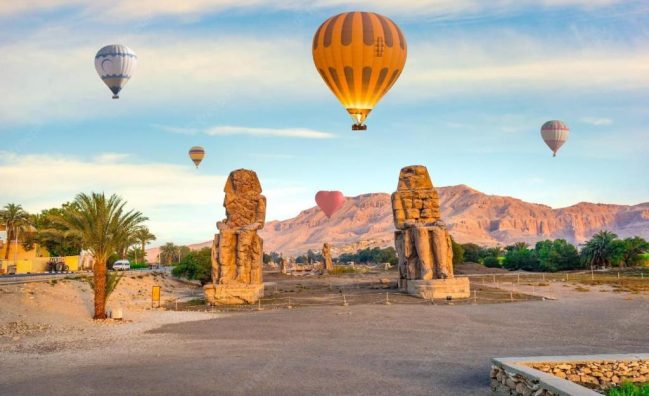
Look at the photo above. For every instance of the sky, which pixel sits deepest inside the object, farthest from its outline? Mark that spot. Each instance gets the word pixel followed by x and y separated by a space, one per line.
pixel 237 77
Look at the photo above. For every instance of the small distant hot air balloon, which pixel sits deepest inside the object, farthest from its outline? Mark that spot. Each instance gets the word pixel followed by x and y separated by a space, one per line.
pixel 329 201
pixel 359 55
pixel 197 153
pixel 555 133
pixel 115 65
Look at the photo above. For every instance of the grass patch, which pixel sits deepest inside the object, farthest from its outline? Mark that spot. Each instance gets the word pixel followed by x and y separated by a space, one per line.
pixel 139 266
pixel 582 289
pixel 345 269
pixel 629 389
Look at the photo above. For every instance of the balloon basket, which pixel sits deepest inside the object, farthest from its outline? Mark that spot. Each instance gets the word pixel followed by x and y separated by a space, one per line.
pixel 357 127
pixel 115 96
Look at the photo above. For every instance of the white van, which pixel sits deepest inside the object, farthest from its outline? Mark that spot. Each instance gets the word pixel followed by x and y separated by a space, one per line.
pixel 121 265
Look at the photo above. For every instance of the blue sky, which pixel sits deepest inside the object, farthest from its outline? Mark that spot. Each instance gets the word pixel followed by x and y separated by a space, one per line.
pixel 237 78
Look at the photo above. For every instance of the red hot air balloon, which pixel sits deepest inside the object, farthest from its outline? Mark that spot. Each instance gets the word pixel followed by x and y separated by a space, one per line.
pixel 329 201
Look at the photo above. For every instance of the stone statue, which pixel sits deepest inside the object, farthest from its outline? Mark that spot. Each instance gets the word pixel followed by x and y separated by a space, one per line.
pixel 327 263
pixel 422 241
pixel 283 264
pixel 237 251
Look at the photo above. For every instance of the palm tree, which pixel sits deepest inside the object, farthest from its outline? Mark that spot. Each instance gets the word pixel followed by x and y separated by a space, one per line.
pixel 600 249
pixel 169 251
pixel 632 250
pixel 103 224
pixel 15 219
pixel 144 237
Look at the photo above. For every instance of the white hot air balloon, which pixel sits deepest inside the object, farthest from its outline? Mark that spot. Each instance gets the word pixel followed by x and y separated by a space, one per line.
pixel 554 134
pixel 115 65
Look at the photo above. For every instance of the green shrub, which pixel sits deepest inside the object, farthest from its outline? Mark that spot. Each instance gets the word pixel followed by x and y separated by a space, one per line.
pixel 139 266
pixel 344 269
pixel 195 265
pixel 629 389
pixel 491 262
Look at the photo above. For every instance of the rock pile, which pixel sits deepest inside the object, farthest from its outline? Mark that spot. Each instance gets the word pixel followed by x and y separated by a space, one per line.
pixel 506 383
pixel 598 375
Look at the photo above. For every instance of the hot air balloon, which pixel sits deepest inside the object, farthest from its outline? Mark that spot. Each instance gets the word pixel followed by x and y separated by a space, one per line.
pixel 329 201
pixel 359 55
pixel 197 153
pixel 115 65
pixel 555 133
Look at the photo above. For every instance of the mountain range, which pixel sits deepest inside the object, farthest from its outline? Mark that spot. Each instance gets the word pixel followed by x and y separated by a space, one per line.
pixel 471 216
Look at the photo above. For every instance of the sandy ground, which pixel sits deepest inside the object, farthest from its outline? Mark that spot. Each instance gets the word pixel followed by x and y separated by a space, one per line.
pixel 50 345
pixel 51 316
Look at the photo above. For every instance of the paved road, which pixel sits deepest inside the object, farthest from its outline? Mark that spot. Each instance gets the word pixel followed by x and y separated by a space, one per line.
pixel 367 350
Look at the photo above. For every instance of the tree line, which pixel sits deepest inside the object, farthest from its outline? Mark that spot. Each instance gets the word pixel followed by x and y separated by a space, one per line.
pixel 603 250
pixel 94 222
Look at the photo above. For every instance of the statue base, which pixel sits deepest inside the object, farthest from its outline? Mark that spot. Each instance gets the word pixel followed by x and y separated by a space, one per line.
pixel 451 288
pixel 233 294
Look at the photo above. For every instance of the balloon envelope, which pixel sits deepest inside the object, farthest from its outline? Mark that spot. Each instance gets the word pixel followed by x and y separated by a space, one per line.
pixel 359 55
pixel 329 201
pixel 554 134
pixel 115 65
pixel 197 153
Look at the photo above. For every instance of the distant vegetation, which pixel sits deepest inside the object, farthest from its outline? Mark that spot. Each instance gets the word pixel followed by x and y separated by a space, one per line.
pixel 370 255
pixel 195 265
pixel 603 250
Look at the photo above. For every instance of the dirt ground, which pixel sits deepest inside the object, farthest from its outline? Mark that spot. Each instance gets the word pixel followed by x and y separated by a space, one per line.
pixel 317 345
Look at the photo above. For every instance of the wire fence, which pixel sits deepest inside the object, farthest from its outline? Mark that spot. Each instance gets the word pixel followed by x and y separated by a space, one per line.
pixel 357 295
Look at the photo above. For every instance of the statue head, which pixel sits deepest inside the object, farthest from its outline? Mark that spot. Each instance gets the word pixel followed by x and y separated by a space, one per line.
pixel 242 181
pixel 414 177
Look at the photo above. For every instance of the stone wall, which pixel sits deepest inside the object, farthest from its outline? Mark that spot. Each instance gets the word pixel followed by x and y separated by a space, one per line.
pixel 504 382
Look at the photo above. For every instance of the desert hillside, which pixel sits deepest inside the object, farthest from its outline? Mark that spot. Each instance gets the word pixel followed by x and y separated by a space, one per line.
pixel 472 216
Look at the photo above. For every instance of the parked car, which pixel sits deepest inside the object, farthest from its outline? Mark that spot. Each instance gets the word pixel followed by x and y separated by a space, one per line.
pixel 121 265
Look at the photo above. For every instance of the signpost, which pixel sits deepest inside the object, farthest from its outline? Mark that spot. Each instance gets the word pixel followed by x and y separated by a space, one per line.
pixel 155 297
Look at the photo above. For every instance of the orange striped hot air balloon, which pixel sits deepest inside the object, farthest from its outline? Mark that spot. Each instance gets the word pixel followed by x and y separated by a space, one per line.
pixel 554 134
pixel 359 55
pixel 197 153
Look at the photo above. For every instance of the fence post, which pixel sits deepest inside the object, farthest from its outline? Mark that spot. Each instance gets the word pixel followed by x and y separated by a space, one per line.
pixel 344 301
pixel 494 275
pixel 387 298
pixel 475 296
pixel 518 276
pixel 592 273
pixel 511 296
pixel 289 303
pixel 543 278
pixel 259 305
pixel 618 274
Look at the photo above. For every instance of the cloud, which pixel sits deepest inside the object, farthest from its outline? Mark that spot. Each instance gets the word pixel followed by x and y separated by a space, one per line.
pixel 162 192
pixel 597 121
pixel 49 75
pixel 182 204
pixel 128 9
pixel 303 133
pixel 505 61
pixel 229 130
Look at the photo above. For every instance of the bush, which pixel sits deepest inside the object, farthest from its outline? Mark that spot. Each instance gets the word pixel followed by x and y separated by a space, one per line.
pixel 557 255
pixel 371 255
pixel 629 389
pixel 195 266
pixel 473 253
pixel 518 256
pixel 458 252
pixel 139 266
pixel 491 262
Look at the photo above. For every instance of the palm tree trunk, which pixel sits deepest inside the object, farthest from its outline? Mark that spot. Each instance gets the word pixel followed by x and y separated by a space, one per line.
pixel 143 252
pixel 9 239
pixel 100 287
